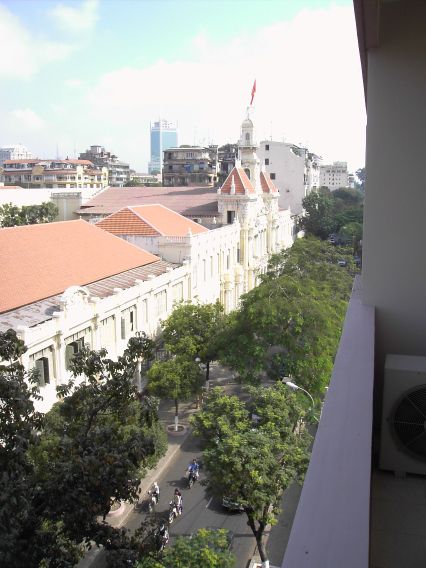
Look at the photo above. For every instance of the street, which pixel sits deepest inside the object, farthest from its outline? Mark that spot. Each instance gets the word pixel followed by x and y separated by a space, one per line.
pixel 199 509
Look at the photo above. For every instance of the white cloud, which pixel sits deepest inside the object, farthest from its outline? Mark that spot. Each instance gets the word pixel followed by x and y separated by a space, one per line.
pixel 76 19
pixel 309 90
pixel 23 54
pixel 27 118
pixel 73 83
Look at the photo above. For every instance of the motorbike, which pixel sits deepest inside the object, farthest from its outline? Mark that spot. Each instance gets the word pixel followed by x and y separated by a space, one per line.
pixel 153 500
pixel 161 537
pixel 192 478
pixel 173 512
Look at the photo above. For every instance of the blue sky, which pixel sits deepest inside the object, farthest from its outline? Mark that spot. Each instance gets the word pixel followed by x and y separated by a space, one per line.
pixel 77 73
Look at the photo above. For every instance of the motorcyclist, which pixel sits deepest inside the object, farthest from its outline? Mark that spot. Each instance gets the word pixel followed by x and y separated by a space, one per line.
pixel 177 501
pixel 162 536
pixel 193 469
pixel 155 491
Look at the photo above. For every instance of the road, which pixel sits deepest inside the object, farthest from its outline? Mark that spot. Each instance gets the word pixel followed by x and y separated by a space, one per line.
pixel 199 509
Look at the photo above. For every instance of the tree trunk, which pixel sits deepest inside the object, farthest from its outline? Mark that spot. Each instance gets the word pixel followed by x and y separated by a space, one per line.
pixel 176 414
pixel 207 372
pixel 258 534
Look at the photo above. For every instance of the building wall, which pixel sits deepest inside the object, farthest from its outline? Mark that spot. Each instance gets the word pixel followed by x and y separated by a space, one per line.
pixel 286 170
pixel 100 323
pixel 334 176
pixel 67 201
pixel 394 268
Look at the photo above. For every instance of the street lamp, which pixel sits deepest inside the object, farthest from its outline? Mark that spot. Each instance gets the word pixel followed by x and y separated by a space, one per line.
pixel 295 387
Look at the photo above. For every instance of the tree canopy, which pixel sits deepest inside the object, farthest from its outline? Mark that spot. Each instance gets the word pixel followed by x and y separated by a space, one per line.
pixel 191 331
pixel 206 548
pixel 327 212
pixel 254 462
pixel 291 323
pixel 62 472
pixel 12 215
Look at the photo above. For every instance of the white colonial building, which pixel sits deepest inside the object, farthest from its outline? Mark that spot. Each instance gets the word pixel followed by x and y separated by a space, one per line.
pixel 71 284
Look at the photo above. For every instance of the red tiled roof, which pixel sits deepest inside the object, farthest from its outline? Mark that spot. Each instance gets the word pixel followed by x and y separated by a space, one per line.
pixel 11 187
pixel 242 183
pixel 149 220
pixel 267 184
pixel 188 201
pixel 39 261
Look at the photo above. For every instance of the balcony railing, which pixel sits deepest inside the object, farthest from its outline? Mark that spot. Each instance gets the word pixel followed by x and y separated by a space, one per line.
pixel 331 526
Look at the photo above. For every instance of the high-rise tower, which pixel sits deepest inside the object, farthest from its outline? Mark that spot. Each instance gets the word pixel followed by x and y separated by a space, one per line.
pixel 163 136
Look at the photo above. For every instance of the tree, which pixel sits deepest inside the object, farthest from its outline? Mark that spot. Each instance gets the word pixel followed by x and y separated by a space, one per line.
pixel 11 215
pixel 360 174
pixel 177 378
pixel 61 473
pixel 254 463
pixel 206 549
pixel 18 426
pixel 191 330
pixel 291 323
pixel 318 219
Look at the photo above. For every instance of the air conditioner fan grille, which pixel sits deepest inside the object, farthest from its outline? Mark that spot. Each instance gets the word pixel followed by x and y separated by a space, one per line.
pixel 409 421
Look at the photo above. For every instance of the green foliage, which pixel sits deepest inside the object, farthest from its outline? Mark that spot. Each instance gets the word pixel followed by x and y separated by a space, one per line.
pixel 89 451
pixel 253 462
pixel 18 426
pixel 292 321
pixel 327 212
pixel 12 215
pixel 319 219
pixel 206 548
pixel 191 331
pixel 177 378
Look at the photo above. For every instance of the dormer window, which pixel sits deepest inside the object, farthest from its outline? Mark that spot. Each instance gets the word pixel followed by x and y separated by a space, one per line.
pixel 247 137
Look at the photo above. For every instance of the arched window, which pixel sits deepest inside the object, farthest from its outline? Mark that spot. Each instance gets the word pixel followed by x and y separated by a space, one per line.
pixel 247 172
pixel 247 136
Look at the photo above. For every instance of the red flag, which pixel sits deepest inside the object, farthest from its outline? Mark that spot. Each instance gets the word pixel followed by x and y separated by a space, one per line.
pixel 252 92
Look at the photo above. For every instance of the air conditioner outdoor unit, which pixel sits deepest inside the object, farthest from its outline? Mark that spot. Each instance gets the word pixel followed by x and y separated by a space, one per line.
pixel 403 436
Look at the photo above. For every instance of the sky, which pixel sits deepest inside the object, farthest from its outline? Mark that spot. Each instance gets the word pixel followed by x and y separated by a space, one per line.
pixel 81 72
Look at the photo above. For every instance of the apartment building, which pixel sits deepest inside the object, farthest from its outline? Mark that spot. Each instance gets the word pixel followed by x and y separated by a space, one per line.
pixel 67 173
pixel 15 152
pixel 118 171
pixel 190 166
pixel 334 176
pixel 293 169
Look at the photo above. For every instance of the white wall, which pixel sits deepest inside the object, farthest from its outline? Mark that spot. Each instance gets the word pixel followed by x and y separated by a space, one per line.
pixel 153 300
pixel 289 172
pixel 67 202
pixel 394 267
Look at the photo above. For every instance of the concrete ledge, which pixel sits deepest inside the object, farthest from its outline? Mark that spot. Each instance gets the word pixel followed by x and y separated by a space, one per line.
pixel 331 526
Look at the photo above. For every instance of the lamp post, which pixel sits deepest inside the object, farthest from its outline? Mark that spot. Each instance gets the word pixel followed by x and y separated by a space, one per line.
pixel 295 387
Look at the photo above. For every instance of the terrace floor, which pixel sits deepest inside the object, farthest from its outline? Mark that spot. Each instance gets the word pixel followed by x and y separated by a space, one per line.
pixel 398 521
